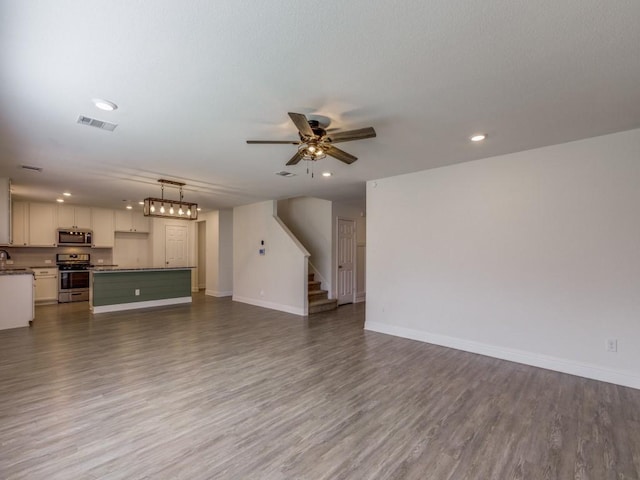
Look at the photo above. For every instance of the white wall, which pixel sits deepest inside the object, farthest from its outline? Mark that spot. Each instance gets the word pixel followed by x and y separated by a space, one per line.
pixel 219 255
pixel 202 254
pixel 225 252
pixel 533 256
pixel 310 220
pixel 277 279
pixel 131 249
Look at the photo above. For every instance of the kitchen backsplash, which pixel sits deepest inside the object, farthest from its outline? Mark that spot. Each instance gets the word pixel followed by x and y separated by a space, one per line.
pixel 37 257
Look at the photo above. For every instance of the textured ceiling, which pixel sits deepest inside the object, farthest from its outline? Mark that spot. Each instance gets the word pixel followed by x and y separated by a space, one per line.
pixel 195 79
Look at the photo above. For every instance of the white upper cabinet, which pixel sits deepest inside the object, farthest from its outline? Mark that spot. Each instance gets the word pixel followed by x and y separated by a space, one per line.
pixel 43 223
pixel 70 216
pixel 102 224
pixel 5 211
pixel 20 224
pixel 129 221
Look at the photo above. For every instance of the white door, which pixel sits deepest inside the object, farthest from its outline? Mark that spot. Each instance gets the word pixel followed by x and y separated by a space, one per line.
pixel 346 261
pixel 175 246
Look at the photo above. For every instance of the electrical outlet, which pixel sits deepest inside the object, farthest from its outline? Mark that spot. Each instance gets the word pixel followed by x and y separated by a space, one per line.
pixel 612 345
pixel 137 292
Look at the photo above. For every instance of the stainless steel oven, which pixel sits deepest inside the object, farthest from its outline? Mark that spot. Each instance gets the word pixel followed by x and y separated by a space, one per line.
pixel 73 283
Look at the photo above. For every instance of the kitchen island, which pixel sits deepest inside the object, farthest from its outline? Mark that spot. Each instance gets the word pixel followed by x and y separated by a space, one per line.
pixel 120 288
pixel 16 297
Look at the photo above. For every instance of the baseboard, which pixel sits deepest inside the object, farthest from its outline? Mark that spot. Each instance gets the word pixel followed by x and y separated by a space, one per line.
pixel 215 293
pixel 624 378
pixel 361 297
pixel 134 305
pixel 271 305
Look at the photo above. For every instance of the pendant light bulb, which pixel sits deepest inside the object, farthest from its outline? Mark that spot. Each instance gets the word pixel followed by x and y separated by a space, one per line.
pixel 189 211
pixel 153 208
pixel 171 209
pixel 162 208
pixel 180 211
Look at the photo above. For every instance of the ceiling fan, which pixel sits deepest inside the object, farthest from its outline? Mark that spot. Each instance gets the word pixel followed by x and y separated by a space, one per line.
pixel 316 143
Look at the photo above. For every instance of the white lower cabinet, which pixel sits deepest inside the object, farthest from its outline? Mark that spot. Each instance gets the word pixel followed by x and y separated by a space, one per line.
pixel 46 285
pixel 16 298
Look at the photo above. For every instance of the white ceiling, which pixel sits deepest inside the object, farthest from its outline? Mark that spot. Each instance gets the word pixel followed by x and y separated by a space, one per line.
pixel 195 79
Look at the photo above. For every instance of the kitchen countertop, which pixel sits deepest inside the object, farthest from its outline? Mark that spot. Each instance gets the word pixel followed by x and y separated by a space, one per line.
pixel 16 271
pixel 107 269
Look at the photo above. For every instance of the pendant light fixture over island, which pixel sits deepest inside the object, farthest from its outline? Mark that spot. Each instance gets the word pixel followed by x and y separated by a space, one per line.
pixel 164 207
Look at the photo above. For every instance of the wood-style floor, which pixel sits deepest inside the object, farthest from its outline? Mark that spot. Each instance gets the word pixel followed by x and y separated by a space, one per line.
pixel 223 390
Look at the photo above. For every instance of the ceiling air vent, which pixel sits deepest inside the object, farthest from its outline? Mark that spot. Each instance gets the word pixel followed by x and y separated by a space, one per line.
pixel 92 122
pixel 285 174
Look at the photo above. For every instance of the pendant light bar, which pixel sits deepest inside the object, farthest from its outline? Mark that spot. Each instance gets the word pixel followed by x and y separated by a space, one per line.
pixel 166 208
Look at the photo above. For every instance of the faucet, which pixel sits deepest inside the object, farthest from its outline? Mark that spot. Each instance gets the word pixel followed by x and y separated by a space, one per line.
pixel 4 256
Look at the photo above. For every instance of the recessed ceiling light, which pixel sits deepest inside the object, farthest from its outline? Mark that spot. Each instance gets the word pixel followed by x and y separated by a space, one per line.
pixel 140 203
pixel 199 209
pixel 60 200
pixel 326 174
pixel 66 194
pixel 104 104
pixel 129 207
pixel 478 138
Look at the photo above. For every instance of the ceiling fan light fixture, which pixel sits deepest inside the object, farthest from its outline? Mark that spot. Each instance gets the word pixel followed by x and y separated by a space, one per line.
pixel 316 143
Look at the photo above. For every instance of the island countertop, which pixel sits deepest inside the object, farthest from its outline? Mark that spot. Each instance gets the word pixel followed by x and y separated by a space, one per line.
pixel 108 269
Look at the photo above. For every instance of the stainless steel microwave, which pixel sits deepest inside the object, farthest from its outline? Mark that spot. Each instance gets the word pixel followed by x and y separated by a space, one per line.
pixel 76 238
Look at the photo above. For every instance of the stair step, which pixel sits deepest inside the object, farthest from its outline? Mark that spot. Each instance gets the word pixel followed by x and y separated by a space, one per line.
pixel 314 285
pixel 317 295
pixel 322 305
pixel 311 277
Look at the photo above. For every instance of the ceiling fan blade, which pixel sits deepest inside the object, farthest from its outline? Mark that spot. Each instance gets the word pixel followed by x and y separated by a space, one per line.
pixel 302 124
pixel 296 158
pixel 350 135
pixel 287 142
pixel 341 155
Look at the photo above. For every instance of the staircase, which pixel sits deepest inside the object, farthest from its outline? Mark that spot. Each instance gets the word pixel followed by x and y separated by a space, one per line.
pixel 318 298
